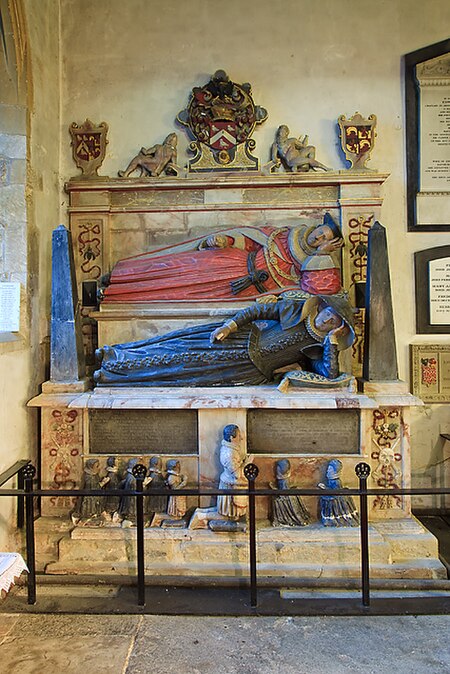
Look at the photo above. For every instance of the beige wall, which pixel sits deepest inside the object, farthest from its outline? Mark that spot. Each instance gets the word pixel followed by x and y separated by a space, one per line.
pixel 31 214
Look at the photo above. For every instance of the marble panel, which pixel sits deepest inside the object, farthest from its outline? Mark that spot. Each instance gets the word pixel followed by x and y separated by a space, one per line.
pixel 116 332
pixel 86 198
pixel 238 218
pixel 162 221
pixel 161 238
pixel 294 216
pixel 62 447
pixel 360 191
pixel 155 198
pixel 210 434
pixel 125 244
pixel 291 195
pixel 223 196
pixel 125 222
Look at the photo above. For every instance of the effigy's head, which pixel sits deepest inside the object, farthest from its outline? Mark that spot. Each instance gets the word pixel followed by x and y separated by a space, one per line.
pixel 282 132
pixel 155 463
pixel 171 139
pixel 283 469
pixel 92 465
pixel 231 432
pixel 333 469
pixel 324 232
pixel 334 311
pixel 173 466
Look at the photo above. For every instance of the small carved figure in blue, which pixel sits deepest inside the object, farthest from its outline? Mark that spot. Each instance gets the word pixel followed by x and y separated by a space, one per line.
pixel 339 510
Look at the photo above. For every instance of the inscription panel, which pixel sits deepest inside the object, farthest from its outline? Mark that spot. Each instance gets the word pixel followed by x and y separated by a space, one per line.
pixel 143 431
pixel 303 432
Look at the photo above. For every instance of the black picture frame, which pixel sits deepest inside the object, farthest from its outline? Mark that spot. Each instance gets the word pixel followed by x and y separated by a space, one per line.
pixel 422 279
pixel 411 60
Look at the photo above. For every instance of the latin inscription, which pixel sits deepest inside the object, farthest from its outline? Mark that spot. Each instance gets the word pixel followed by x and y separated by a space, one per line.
pixel 303 432
pixel 143 432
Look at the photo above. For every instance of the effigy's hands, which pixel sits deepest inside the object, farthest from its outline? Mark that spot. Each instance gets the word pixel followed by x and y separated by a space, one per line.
pixel 335 335
pixel 214 241
pixel 331 245
pixel 220 333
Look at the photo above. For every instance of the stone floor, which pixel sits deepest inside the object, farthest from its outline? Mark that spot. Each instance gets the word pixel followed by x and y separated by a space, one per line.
pixel 116 644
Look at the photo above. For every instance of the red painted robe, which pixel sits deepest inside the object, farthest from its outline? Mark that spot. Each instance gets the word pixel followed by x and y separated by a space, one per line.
pixel 207 274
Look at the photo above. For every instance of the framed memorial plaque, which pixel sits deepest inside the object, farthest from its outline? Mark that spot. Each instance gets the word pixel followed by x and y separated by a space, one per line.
pixel 430 372
pixel 432 271
pixel 427 104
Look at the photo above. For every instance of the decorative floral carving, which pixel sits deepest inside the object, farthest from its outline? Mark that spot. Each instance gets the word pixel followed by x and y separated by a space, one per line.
pixel 358 228
pixel 62 449
pixel 89 244
pixel 386 438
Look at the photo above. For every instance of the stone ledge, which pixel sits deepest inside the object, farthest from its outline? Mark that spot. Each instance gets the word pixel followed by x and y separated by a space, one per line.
pixel 237 397
pixel 241 179
pixel 399 549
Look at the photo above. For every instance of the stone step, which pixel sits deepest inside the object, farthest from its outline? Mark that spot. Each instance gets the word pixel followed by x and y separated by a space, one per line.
pixel 274 546
pixel 397 548
pixel 420 569
pixel 49 531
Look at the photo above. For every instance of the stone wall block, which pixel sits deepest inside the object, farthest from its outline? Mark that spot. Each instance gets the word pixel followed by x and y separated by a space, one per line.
pixel 168 222
pixel 199 223
pixel 126 243
pixel 14 147
pixel 237 218
pixel 2 248
pixel 126 221
pixel 161 238
pixel 13 119
pixel 12 203
pixel 4 171
pixel 18 171
pixel 16 247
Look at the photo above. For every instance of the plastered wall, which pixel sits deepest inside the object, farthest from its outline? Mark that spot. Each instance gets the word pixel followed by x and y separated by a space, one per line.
pixel 29 195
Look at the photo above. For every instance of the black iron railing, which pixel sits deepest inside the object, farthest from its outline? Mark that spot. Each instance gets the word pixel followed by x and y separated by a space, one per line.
pixel 16 469
pixel 27 473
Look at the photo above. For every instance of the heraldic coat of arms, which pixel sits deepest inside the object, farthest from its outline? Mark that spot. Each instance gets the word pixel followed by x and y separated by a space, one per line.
pixel 222 116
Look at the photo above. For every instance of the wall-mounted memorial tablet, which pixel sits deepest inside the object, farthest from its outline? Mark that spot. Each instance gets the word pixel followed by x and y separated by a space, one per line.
pixel 432 271
pixel 427 103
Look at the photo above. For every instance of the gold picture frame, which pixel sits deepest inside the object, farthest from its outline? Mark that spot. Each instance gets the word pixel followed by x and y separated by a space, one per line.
pixel 430 372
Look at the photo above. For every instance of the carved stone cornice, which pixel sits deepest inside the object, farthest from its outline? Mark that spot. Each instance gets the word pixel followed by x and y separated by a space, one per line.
pixel 435 72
